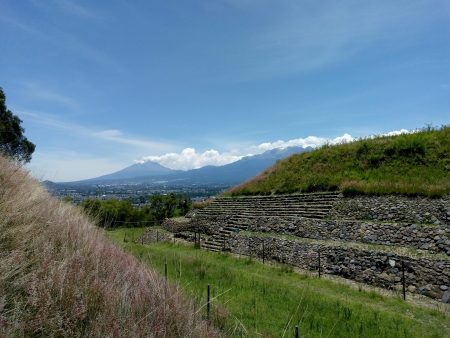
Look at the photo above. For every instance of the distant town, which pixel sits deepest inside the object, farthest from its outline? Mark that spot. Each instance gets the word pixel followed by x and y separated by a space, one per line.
pixel 137 193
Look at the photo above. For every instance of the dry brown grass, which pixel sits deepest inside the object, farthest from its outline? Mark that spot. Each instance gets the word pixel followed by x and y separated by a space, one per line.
pixel 59 276
pixel 202 204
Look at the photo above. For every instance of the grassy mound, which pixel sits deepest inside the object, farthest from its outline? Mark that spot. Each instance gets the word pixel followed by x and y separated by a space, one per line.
pixel 408 164
pixel 59 275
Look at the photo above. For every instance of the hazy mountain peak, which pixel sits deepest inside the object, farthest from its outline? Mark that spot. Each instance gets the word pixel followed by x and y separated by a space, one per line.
pixel 231 173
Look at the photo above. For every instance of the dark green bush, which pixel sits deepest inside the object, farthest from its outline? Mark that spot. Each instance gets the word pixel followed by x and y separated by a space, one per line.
pixel 115 213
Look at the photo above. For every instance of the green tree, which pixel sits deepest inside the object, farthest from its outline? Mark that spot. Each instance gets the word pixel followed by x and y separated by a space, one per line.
pixel 115 213
pixel 166 206
pixel 158 207
pixel 12 141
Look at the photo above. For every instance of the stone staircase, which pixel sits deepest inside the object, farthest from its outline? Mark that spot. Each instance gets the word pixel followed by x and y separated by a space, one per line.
pixel 379 240
pixel 238 210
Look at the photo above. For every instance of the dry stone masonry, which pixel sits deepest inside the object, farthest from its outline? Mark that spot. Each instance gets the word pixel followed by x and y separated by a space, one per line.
pixel 154 236
pixel 368 265
pixel 364 238
pixel 432 238
pixel 393 208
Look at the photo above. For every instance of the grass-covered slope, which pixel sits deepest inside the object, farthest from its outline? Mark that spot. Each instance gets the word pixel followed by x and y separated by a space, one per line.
pixel 250 299
pixel 409 164
pixel 60 277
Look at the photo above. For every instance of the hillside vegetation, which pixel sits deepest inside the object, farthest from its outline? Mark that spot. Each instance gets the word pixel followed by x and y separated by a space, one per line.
pixel 408 164
pixel 250 299
pixel 59 275
pixel 156 208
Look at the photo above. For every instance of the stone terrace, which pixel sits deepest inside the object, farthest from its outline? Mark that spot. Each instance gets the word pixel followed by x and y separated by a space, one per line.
pixel 235 212
pixel 302 205
pixel 404 228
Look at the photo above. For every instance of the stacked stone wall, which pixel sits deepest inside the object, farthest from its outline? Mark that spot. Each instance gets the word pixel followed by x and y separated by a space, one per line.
pixel 434 238
pixel 393 209
pixel 361 238
pixel 422 275
pixel 154 235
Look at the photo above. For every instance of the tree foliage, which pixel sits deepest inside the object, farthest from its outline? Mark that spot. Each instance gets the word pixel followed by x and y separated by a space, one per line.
pixel 115 213
pixel 13 143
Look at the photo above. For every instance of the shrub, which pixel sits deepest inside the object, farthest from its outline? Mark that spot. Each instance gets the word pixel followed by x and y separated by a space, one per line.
pixel 349 188
pixel 116 213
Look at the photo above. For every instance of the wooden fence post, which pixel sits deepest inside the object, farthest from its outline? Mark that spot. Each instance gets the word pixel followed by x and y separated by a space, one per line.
pixel 165 270
pixel 320 272
pixel 403 280
pixel 264 252
pixel 208 304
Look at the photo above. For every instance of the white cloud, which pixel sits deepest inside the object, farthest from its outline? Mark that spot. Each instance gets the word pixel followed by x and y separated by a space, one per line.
pixel 111 135
pixel 303 36
pixel 64 40
pixel 37 91
pixel 67 166
pixel 117 136
pixel 397 132
pixel 76 8
pixel 310 141
pixel 189 158
pixel 394 133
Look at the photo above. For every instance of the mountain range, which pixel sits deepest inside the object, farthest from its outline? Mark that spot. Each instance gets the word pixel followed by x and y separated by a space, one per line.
pixel 229 174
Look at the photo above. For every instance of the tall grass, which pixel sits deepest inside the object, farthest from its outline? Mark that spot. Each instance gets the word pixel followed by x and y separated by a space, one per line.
pixel 408 164
pixel 201 204
pixel 255 300
pixel 60 277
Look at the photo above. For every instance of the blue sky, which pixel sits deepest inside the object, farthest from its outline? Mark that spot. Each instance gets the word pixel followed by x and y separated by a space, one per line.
pixel 100 84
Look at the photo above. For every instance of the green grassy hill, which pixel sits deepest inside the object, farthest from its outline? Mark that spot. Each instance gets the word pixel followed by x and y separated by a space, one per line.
pixel 408 164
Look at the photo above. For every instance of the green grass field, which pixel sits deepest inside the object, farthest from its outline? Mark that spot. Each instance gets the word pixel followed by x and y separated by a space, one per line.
pixel 256 300
pixel 408 164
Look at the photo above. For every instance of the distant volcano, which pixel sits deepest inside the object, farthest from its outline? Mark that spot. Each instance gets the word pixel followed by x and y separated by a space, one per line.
pixel 146 169
pixel 229 174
